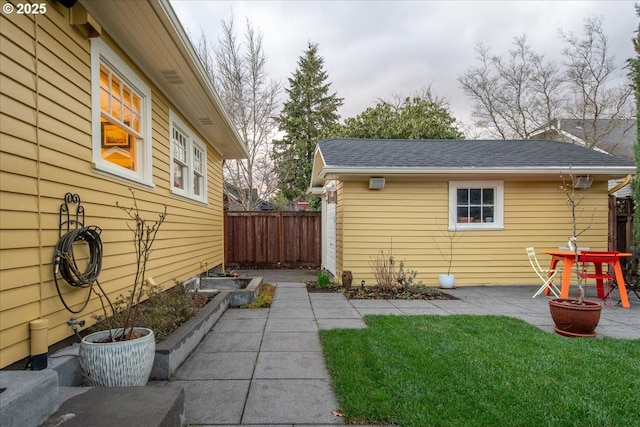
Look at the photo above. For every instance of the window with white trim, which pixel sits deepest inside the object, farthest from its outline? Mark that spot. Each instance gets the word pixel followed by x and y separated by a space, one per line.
pixel 188 161
pixel 121 117
pixel 476 205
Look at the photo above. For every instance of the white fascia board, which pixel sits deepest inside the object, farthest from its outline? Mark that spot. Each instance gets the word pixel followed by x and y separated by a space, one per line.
pixel 203 76
pixel 562 132
pixel 572 137
pixel 316 176
pixel 541 131
pixel 327 172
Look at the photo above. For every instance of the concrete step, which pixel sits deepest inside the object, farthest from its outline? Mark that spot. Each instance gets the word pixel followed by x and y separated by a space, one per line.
pixel 150 406
pixel 29 397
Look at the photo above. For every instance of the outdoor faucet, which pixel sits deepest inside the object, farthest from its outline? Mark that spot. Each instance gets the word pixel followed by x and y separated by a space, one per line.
pixel 73 322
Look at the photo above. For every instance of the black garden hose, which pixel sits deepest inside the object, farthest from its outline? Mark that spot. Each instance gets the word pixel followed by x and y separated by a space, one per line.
pixel 64 261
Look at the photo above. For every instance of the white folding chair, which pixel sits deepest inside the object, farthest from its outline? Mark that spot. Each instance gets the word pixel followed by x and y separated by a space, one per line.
pixel 544 274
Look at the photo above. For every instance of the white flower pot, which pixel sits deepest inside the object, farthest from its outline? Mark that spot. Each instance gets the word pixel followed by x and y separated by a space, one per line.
pixel 447 281
pixel 117 364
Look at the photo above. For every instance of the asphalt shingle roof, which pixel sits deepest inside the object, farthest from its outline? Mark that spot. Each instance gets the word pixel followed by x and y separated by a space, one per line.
pixel 445 154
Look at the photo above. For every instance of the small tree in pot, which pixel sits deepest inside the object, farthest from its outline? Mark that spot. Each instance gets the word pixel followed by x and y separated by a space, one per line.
pixel 447 281
pixel 575 317
pixel 123 355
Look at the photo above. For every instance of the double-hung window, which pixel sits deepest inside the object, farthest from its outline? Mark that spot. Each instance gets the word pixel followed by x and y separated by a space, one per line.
pixel 188 161
pixel 121 117
pixel 476 205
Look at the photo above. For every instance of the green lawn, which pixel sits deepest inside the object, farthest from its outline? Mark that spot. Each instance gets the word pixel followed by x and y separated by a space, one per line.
pixel 480 371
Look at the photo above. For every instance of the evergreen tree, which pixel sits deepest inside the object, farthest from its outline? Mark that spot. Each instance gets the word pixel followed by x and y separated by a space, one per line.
pixel 308 112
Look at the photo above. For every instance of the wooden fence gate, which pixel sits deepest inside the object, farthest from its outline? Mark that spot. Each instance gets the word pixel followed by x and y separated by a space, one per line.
pixel 273 239
pixel 620 223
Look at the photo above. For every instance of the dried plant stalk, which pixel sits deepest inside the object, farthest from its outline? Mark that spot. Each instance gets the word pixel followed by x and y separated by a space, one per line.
pixel 383 268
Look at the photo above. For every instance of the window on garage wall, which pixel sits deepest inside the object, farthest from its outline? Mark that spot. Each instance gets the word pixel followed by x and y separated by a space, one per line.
pixel 476 205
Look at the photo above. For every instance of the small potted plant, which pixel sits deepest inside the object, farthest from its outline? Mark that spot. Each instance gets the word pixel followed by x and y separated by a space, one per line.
pixel 447 281
pixel 123 354
pixel 575 317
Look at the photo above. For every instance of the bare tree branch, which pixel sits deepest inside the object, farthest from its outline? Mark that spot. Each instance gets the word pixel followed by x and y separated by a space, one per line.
pixel 515 95
pixel 588 74
pixel 238 70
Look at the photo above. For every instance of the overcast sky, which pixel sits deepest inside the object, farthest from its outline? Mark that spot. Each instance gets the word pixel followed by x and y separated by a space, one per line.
pixel 373 49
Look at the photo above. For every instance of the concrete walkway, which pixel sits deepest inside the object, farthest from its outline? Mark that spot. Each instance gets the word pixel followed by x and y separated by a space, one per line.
pixel 265 366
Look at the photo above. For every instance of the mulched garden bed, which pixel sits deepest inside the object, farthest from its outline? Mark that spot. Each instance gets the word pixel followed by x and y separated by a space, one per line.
pixel 378 292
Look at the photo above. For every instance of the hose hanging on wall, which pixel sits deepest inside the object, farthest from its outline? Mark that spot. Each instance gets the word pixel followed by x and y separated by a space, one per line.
pixel 64 258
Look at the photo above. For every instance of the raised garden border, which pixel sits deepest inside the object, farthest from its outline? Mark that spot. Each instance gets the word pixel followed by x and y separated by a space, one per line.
pixel 173 351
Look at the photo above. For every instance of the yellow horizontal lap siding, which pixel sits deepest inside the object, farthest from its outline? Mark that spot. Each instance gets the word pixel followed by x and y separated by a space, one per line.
pixel 407 216
pixel 19 276
pixel 20 345
pixel 38 166
pixel 17 128
pixel 18 165
pixel 17 63
pixel 15 109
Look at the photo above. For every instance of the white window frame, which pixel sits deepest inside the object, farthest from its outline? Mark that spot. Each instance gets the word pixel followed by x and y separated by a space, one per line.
pixel 498 209
pixel 101 54
pixel 192 141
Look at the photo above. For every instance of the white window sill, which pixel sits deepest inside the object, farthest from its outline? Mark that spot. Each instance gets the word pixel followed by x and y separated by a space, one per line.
pixel 111 173
pixel 476 227
pixel 190 199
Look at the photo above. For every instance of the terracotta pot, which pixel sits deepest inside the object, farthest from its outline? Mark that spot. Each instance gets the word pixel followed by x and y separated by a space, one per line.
pixel 573 319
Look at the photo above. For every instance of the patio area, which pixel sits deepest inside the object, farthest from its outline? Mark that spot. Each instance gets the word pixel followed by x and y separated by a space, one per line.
pixel 265 366
pixel 514 301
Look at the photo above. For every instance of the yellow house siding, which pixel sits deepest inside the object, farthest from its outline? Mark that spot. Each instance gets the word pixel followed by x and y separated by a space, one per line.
pixel 46 151
pixel 410 217
pixel 17 51
pixel 18 182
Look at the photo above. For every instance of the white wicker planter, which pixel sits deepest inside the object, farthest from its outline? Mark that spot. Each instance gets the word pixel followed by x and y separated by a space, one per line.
pixel 117 364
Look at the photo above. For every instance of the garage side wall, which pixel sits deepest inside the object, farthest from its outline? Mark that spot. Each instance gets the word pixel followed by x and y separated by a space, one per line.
pixel 410 219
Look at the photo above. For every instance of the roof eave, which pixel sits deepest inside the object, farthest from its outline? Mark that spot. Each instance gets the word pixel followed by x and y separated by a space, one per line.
pixel 317 167
pixel 329 172
pixel 204 111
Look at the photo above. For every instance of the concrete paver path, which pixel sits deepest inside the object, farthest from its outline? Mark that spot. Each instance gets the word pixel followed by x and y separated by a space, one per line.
pixel 265 366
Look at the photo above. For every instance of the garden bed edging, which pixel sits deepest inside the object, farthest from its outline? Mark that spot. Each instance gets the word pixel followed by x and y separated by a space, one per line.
pixel 173 351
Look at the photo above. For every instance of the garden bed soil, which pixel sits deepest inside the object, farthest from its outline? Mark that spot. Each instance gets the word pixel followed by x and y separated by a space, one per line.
pixel 378 292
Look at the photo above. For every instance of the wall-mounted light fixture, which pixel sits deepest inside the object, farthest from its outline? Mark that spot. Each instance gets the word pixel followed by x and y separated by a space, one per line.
pixel 376 183
pixel 582 182
pixel 332 195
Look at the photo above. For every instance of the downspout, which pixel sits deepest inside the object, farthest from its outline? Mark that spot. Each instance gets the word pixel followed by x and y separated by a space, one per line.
pixel 624 183
pixel 36 55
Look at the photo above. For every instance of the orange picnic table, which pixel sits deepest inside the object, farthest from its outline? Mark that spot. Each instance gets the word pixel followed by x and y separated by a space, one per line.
pixel 597 258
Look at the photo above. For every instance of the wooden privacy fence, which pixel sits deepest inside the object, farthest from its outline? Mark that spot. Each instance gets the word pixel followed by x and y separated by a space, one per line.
pixel 273 239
